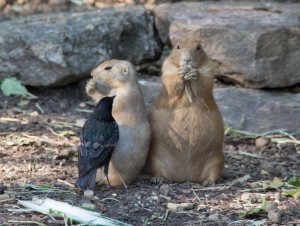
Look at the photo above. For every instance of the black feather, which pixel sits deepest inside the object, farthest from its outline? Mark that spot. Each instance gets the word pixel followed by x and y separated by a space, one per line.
pixel 98 138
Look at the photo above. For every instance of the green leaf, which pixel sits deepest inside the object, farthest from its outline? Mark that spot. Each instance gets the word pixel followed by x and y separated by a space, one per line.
pixel 263 207
pixel 275 183
pixel 294 181
pixel 12 86
pixel 34 187
pixel 295 193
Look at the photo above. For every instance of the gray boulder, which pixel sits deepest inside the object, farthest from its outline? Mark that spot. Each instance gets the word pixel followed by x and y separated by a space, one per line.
pixel 57 49
pixel 259 111
pixel 252 44
pixel 255 111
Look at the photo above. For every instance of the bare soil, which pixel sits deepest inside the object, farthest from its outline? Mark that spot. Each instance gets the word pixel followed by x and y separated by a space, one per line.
pixel 33 150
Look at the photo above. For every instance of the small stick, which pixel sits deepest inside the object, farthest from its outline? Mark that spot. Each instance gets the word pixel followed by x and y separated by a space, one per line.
pixel 40 108
pixel 65 182
pixel 120 177
pixel 196 195
pixel 188 93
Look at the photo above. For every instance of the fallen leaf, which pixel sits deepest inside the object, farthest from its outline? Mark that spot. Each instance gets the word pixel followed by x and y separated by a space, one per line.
pixel 262 208
pixel 294 181
pixel 12 86
pixel 295 193
pixel 275 183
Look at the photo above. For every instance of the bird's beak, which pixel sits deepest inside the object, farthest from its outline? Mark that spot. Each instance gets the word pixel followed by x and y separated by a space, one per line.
pixel 113 97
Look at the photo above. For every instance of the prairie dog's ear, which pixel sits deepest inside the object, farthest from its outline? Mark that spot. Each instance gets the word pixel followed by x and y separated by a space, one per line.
pixel 125 70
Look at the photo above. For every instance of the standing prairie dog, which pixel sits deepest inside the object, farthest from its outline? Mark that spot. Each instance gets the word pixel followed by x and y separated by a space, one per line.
pixel 131 151
pixel 187 127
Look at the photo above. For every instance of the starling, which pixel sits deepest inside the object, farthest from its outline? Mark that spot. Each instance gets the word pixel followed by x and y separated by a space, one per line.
pixel 98 138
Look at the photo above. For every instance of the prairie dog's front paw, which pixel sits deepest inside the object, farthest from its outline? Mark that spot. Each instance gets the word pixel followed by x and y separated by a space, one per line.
pixel 187 72
pixel 192 74
pixel 91 86
pixel 183 72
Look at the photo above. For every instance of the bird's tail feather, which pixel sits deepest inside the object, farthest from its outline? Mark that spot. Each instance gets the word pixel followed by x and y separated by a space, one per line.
pixel 87 181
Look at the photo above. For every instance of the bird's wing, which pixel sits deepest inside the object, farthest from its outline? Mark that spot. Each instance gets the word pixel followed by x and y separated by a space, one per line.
pixel 97 143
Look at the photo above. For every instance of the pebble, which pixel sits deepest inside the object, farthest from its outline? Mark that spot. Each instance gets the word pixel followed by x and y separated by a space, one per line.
pixel 262 142
pixel 88 193
pixel 180 207
pixel 82 105
pixel 264 173
pixel 274 214
pixel 88 206
pixel 246 197
pixel 241 180
pixel 4 197
pixel 34 113
pixel 164 189
pixel 213 217
pixel 186 191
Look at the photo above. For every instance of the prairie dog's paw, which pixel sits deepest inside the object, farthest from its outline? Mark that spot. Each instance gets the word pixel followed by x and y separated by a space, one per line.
pixel 182 71
pixel 192 74
pixel 91 86
pixel 208 183
pixel 187 72
pixel 159 180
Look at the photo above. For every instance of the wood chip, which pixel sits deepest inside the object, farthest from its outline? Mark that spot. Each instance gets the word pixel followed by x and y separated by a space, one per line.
pixel 180 207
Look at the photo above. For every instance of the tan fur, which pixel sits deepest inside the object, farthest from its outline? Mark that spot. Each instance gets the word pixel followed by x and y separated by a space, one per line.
pixel 129 112
pixel 186 124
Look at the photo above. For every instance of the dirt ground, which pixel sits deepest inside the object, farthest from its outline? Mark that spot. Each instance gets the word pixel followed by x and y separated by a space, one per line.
pixel 38 145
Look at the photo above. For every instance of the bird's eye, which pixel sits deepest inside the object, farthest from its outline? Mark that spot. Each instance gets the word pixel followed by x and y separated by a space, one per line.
pixel 198 47
pixel 107 68
pixel 178 47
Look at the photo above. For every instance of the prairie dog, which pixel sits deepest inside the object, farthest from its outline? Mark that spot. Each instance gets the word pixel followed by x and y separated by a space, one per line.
pixel 129 111
pixel 187 127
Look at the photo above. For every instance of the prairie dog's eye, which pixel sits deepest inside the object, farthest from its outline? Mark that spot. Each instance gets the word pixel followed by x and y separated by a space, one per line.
pixel 178 47
pixel 198 47
pixel 107 68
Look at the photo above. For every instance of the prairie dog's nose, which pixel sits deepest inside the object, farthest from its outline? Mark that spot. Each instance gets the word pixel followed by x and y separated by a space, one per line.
pixel 187 60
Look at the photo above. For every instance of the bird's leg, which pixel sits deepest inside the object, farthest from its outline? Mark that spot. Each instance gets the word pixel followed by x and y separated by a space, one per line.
pixel 106 174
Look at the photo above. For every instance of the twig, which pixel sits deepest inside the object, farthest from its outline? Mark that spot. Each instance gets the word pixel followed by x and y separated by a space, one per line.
pixel 120 177
pixel 249 154
pixel 83 110
pixel 188 94
pixel 27 222
pixel 166 215
pixel 212 188
pixel 62 124
pixel 196 195
pixel 6 200
pixel 65 182
pixel 110 199
pixel 55 133
pixel 4 119
pixel 40 108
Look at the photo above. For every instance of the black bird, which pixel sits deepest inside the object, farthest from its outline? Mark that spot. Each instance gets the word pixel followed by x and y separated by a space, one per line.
pixel 98 138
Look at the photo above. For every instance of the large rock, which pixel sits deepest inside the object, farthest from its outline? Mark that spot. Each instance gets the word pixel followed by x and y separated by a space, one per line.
pixel 56 49
pixel 252 44
pixel 259 111
pixel 255 111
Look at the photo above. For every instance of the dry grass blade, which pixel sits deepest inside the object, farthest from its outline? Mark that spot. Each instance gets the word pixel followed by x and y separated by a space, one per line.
pixel 4 119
